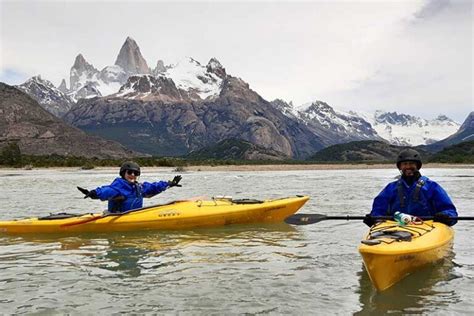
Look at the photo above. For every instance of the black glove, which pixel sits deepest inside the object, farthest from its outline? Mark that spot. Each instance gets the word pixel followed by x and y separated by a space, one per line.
pixel 369 220
pixel 175 182
pixel 88 194
pixel 442 218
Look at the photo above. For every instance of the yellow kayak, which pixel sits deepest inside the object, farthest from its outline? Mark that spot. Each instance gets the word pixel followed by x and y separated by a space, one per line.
pixel 172 216
pixel 391 252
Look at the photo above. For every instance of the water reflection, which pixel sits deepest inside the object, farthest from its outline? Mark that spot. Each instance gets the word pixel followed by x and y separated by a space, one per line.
pixel 417 293
pixel 131 254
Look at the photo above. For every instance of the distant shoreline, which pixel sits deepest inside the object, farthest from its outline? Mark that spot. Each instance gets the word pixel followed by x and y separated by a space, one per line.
pixel 270 167
pixel 289 167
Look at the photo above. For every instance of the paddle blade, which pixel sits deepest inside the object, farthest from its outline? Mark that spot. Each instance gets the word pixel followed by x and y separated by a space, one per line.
pixel 304 219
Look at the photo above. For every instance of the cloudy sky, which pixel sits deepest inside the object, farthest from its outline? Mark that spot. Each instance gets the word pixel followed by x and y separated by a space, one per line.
pixel 410 56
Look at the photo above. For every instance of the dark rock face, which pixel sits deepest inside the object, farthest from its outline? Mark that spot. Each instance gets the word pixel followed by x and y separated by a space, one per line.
pixel 175 125
pixel 47 95
pixel 236 149
pixel 149 88
pixel 37 132
pixel 215 67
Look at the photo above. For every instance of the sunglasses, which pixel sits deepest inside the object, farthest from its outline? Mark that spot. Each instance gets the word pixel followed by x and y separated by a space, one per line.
pixel 134 172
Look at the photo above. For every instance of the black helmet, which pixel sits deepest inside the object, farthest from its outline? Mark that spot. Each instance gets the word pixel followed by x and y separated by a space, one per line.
pixel 409 155
pixel 129 165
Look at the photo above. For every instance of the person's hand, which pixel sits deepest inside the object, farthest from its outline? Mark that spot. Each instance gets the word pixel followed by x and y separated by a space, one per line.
pixel 175 182
pixel 88 194
pixel 369 220
pixel 442 218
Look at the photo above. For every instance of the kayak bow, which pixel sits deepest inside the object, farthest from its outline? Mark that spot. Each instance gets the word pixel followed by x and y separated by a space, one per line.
pixel 391 252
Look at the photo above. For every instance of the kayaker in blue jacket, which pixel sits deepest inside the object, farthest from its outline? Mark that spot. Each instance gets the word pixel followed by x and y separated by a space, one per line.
pixel 126 193
pixel 413 194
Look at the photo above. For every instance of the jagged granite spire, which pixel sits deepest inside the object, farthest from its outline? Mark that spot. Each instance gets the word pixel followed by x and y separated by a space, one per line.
pixel 81 70
pixel 81 64
pixel 131 59
pixel 160 68
pixel 62 87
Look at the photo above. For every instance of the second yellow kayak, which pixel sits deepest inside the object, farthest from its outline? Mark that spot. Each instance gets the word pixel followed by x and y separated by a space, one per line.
pixel 391 252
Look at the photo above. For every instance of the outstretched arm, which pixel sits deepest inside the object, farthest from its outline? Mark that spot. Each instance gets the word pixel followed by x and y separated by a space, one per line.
pixel 152 189
pixel 104 193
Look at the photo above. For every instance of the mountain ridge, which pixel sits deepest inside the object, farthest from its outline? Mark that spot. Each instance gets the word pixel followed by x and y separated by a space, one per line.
pixel 130 102
pixel 38 132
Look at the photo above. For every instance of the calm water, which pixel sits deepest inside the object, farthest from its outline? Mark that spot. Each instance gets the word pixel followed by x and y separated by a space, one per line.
pixel 251 269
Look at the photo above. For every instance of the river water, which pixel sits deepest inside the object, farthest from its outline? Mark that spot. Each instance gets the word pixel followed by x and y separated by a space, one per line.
pixel 243 269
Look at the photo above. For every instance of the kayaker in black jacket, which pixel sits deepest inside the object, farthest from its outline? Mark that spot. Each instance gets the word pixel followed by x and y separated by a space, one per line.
pixel 126 193
pixel 413 194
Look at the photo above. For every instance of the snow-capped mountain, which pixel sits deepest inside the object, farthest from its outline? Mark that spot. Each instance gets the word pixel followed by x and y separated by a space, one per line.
pixel 189 75
pixel 187 80
pixel 47 95
pixel 192 80
pixel 407 130
pixel 463 134
pixel 398 129
pixel 87 82
pixel 348 126
pixel 131 86
pixel 330 125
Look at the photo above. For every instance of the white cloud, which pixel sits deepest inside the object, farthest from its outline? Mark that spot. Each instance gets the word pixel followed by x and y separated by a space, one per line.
pixel 392 55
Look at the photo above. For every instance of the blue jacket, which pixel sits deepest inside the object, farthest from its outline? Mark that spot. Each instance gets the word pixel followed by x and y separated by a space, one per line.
pixel 430 199
pixel 133 194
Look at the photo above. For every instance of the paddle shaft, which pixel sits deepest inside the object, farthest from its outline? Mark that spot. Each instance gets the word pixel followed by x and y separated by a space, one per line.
pixel 306 219
pixel 425 218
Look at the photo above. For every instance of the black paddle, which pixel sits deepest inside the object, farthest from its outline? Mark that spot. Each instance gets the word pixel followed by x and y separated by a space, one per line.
pixel 307 219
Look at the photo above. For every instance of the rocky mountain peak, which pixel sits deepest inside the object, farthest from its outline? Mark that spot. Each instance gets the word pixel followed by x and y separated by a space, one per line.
pixel 81 70
pixel 215 67
pixel 442 117
pixel 464 133
pixel 38 132
pixel 286 108
pixel 468 123
pixel 319 107
pixel 160 68
pixel 148 88
pixel 81 64
pixel 130 58
pixel 47 95
pixel 62 87
pixel 282 104
pixel 395 118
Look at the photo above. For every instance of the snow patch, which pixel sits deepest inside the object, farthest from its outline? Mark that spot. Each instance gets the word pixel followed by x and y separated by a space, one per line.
pixel 188 74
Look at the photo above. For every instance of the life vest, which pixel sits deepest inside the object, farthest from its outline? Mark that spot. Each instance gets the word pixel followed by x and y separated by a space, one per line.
pixel 416 193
